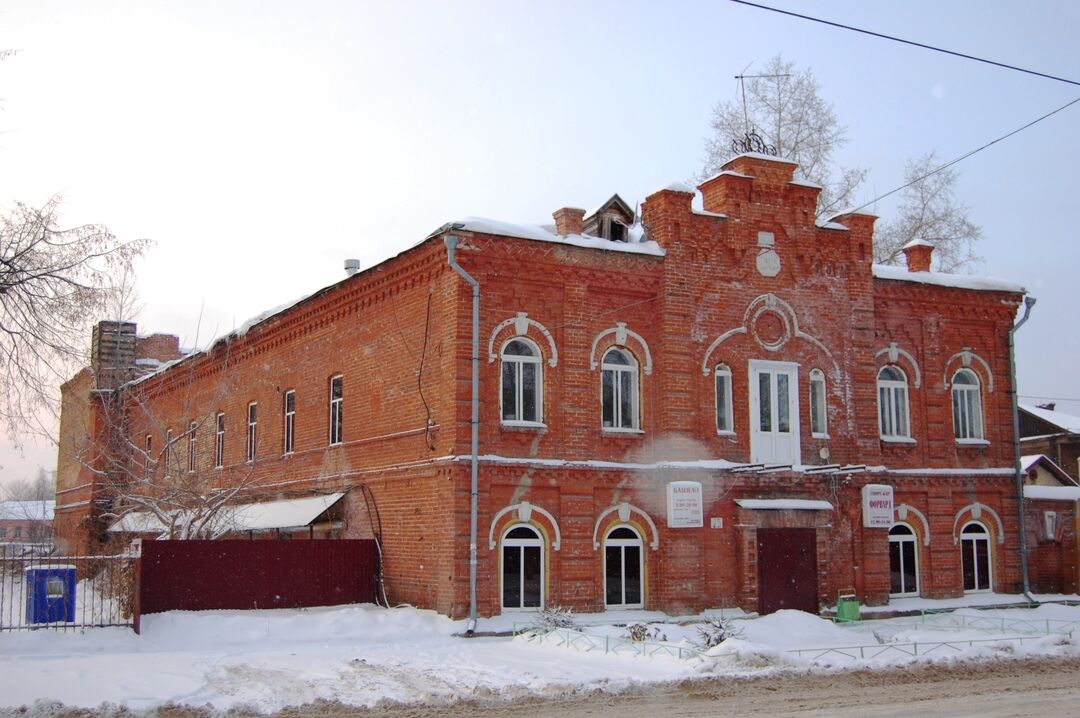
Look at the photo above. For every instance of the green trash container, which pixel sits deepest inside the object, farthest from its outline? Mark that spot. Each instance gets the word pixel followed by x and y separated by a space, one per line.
pixel 847 605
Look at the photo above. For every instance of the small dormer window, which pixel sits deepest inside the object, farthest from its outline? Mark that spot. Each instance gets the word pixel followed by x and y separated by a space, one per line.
pixel 616 230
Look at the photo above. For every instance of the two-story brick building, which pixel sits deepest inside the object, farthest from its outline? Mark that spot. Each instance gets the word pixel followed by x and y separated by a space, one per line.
pixel 720 407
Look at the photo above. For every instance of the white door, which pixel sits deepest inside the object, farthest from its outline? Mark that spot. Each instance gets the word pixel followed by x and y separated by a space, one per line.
pixel 774 412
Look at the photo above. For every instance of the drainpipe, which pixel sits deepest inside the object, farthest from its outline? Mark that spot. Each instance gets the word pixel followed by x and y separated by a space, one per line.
pixel 452 241
pixel 1029 302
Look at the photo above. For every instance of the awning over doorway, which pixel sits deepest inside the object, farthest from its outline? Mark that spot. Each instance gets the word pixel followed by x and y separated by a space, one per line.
pixel 784 504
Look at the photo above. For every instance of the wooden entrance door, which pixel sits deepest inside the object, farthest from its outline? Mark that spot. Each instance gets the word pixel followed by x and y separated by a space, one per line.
pixel 787 570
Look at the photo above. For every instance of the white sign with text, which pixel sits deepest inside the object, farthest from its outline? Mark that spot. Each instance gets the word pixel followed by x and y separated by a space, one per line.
pixel 684 505
pixel 877 506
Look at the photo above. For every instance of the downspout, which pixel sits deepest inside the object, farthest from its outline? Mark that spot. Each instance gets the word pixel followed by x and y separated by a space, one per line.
pixel 1029 302
pixel 452 241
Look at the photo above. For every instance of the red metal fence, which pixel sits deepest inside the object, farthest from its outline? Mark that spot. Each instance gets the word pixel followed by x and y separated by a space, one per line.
pixel 202 575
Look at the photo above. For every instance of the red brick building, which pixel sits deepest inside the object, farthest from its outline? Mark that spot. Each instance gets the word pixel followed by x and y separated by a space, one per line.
pixel 735 409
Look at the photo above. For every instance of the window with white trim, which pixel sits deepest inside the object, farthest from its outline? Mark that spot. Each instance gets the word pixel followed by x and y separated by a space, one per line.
pixel 619 390
pixel 967 406
pixel 903 561
pixel 522 383
pixel 623 568
pixel 522 569
pixel 252 429
pixel 336 408
pixel 892 389
pixel 168 453
pixel 724 420
pixel 191 447
pixel 1050 525
pixel 819 426
pixel 975 557
pixel 288 407
pixel 219 441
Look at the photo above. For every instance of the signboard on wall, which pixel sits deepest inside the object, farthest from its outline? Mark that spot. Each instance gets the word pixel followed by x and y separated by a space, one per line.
pixel 684 505
pixel 877 506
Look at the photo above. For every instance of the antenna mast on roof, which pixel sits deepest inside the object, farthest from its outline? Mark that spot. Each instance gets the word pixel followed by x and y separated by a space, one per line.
pixel 752 141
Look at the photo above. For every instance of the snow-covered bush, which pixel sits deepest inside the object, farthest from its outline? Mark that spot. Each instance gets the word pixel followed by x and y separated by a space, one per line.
pixel 716 630
pixel 552 617
pixel 641 632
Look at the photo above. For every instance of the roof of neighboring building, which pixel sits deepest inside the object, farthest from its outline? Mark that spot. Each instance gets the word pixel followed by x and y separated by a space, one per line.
pixel 1029 461
pixel 1053 493
pixel 1066 422
pixel 27 510
pixel 943 279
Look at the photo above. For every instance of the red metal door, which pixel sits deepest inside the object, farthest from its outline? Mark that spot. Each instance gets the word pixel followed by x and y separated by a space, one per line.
pixel 787 570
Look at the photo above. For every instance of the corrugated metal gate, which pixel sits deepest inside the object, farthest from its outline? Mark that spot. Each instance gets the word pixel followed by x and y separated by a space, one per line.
pixel 239 574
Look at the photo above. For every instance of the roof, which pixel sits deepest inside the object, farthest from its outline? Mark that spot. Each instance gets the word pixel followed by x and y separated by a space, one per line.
pixel 1065 422
pixel 613 201
pixel 943 279
pixel 1031 460
pixel 27 510
pixel 546 233
pixel 259 516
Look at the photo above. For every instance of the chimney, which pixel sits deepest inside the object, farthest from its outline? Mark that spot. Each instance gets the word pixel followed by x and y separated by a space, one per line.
pixel 352 266
pixel 569 220
pixel 918 252
pixel 112 353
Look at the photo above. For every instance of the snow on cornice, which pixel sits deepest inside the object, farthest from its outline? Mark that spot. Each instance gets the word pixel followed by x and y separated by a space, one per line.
pixel 546 233
pixel 1052 493
pixel 806 183
pixel 727 173
pixel 917 243
pixel 681 187
pixel 759 156
pixel 942 279
pixel 829 224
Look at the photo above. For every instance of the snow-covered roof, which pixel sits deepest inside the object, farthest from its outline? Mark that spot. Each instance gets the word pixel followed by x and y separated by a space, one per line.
pixel 27 510
pixel 727 173
pixel 546 233
pixel 1067 422
pixel 1052 493
pixel 759 156
pixel 1029 461
pixel 829 224
pixel 806 183
pixel 918 243
pixel 942 279
pixel 675 187
pixel 784 504
pixel 287 513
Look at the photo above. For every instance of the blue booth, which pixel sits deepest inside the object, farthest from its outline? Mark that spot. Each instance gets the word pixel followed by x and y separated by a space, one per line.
pixel 50 594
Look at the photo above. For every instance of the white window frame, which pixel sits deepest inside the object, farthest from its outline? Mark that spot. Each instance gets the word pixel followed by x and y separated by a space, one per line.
pixel 252 430
pixel 518 363
pixel 967 409
pixel 619 423
pixel 168 453
pixel 337 410
pixel 913 539
pixel 973 537
pixel 288 429
pixel 725 418
pixel 622 544
pixel 219 440
pixel 191 448
pixel 819 405
pixel 519 543
pixel 1050 525
pixel 892 394
pixel 774 445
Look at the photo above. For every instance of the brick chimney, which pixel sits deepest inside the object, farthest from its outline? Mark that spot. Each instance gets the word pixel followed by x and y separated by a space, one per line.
pixel 569 220
pixel 918 253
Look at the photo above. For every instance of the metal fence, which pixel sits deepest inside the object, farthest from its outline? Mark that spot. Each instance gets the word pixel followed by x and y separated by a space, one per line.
pixel 43 590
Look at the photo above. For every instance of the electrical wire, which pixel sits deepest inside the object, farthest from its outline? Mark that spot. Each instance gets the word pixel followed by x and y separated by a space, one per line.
pixel 909 42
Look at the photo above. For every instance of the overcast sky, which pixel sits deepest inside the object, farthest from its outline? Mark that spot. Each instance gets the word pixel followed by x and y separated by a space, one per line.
pixel 259 144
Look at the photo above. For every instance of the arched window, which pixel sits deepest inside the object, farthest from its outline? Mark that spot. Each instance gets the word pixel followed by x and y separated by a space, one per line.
pixel 522 383
pixel 967 405
pixel 903 561
pixel 819 425
pixel 724 423
pixel 619 390
pixel 522 569
pixel 893 403
pixel 623 568
pixel 975 552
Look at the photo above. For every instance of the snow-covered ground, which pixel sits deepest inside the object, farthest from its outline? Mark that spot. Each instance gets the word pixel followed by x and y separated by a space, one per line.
pixel 359 655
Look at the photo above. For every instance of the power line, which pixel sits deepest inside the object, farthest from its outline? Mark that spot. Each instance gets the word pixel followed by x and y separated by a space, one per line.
pixel 961 157
pixel 908 42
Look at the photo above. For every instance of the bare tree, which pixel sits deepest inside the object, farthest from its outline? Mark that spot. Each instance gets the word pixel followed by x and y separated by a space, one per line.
pixel 42 488
pixel 784 105
pixel 929 210
pixel 54 282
